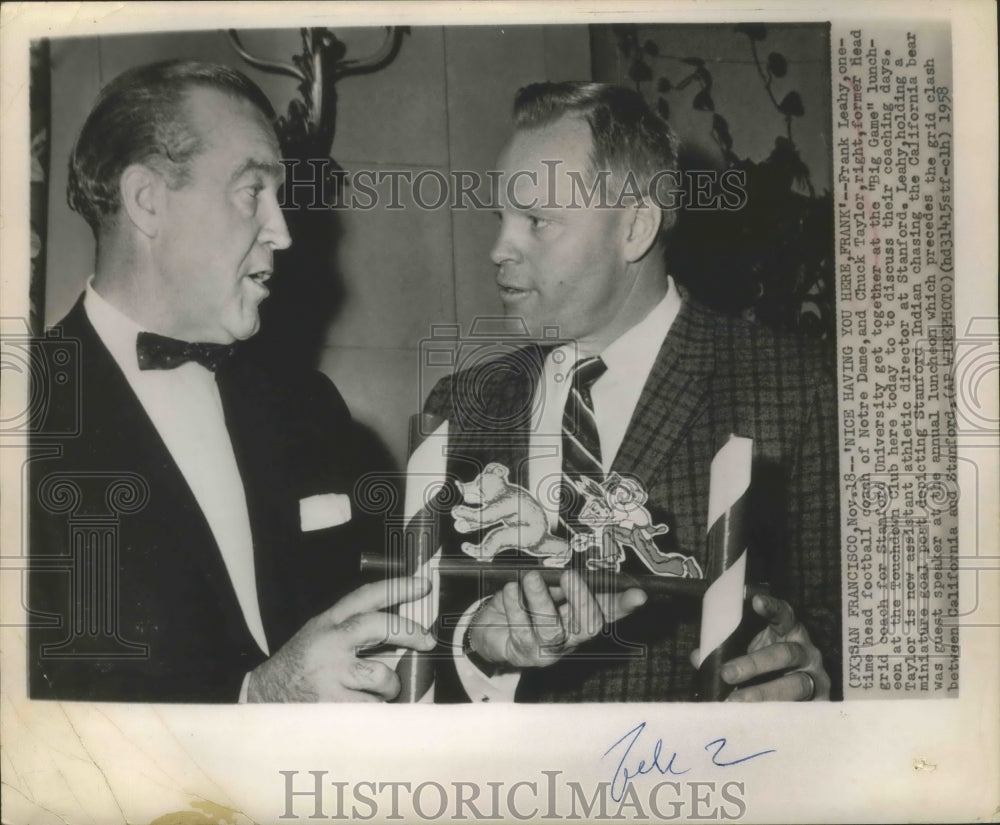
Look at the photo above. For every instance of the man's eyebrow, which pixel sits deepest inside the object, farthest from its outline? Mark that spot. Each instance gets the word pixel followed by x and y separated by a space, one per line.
pixel 271 168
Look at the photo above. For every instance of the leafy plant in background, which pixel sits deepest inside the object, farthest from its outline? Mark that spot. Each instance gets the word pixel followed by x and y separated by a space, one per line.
pixel 772 260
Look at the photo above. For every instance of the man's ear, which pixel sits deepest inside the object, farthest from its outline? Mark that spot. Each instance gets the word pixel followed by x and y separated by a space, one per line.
pixel 141 191
pixel 643 225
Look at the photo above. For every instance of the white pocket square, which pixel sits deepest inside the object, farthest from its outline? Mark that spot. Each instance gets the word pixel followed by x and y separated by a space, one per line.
pixel 325 510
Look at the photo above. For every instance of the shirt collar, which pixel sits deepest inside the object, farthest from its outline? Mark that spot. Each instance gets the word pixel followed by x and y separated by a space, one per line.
pixel 635 350
pixel 115 329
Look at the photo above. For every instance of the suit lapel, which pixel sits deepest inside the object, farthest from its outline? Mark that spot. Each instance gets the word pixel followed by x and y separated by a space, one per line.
pixel 675 394
pixel 255 434
pixel 514 404
pixel 492 410
pixel 114 413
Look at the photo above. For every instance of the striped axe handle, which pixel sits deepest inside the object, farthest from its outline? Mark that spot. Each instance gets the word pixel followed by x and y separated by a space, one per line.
pixel 726 565
pixel 415 669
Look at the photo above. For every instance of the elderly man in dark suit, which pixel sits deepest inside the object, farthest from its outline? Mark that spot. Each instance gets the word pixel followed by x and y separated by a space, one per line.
pixel 192 535
pixel 669 381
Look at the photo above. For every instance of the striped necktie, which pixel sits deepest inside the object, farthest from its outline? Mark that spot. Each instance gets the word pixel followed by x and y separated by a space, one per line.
pixel 581 443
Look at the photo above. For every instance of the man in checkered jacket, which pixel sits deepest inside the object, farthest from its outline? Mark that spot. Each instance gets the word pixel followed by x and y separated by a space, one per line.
pixel 676 380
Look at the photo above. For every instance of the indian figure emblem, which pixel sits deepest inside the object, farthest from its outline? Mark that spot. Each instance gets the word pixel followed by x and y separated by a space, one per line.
pixel 614 514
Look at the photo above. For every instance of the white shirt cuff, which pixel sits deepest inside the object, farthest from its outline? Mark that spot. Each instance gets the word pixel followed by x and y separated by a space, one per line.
pixel 245 690
pixel 479 686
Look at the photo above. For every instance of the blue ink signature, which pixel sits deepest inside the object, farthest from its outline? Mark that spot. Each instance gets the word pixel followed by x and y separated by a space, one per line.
pixel 662 762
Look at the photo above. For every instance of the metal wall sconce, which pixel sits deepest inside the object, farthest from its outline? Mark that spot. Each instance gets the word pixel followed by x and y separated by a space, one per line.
pixel 307 131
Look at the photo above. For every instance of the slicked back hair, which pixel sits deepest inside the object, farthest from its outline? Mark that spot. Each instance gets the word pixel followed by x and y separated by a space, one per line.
pixel 139 117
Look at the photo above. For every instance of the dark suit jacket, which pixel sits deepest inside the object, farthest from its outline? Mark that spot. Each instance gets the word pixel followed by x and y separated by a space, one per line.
pixel 129 596
pixel 713 376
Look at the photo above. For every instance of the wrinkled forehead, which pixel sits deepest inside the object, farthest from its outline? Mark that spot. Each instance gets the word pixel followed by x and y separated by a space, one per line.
pixel 546 161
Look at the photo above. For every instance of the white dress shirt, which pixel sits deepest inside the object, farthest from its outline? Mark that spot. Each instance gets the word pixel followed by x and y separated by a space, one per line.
pixel 615 395
pixel 186 410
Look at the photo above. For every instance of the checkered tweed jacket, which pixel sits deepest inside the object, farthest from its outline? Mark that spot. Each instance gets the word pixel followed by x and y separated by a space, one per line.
pixel 713 376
